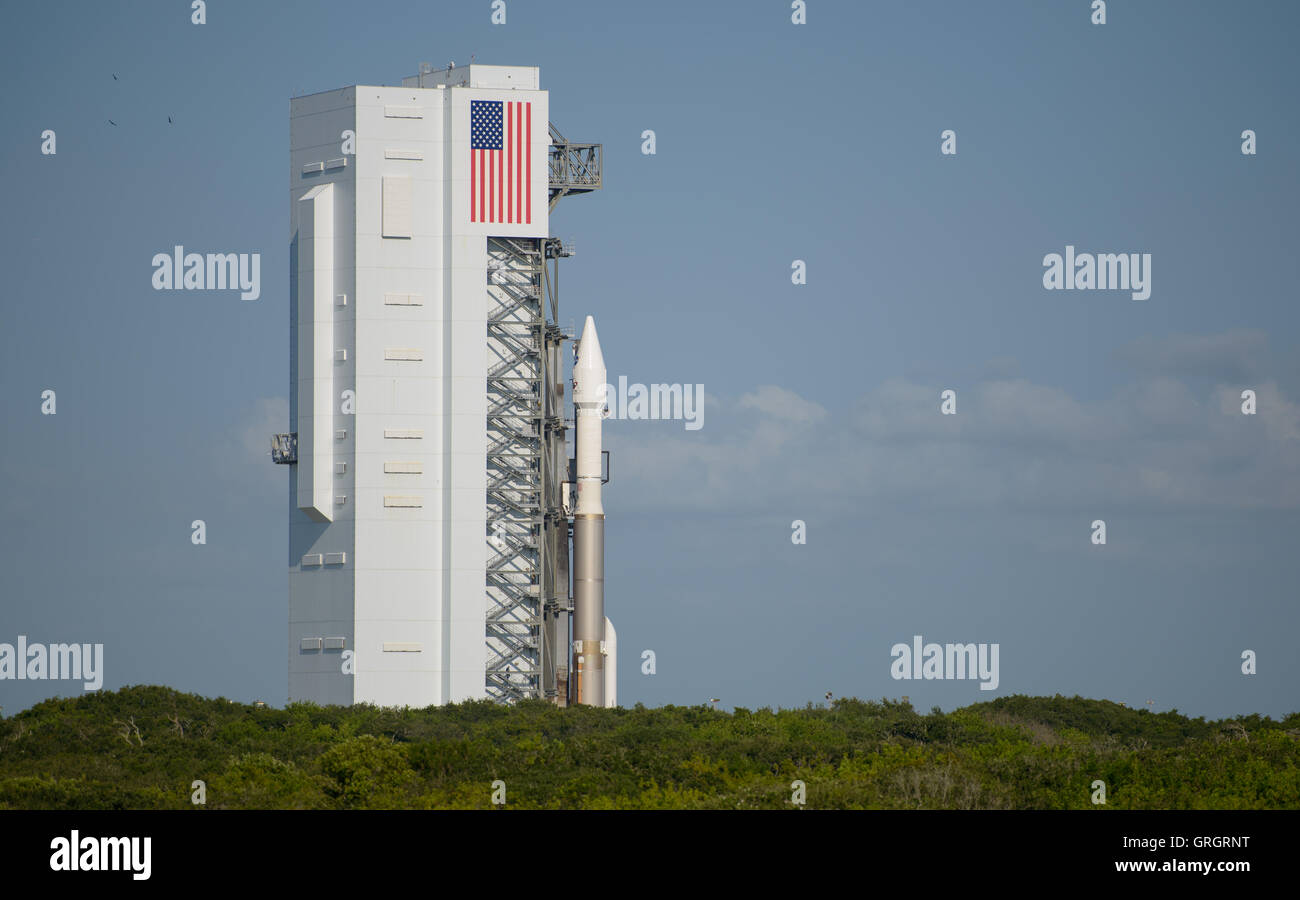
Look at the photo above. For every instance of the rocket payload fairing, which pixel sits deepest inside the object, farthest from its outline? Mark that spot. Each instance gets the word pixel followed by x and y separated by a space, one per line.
pixel 593 684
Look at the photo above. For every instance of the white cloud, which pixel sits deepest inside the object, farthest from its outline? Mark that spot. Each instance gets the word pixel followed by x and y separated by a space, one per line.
pixel 1231 356
pixel 1155 444
pixel 243 459
pixel 778 403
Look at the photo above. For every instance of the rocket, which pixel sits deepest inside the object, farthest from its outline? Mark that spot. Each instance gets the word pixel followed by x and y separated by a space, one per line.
pixel 592 682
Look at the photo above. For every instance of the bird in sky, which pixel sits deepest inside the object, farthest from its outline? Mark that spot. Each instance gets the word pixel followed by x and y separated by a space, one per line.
pixel 169 120
pixel 115 76
pixel 111 122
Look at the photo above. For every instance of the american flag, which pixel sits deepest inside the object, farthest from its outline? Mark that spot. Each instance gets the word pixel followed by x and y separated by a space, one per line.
pixel 500 161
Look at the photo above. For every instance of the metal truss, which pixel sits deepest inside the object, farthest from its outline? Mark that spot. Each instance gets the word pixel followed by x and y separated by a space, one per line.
pixel 526 459
pixel 575 168
pixel 284 448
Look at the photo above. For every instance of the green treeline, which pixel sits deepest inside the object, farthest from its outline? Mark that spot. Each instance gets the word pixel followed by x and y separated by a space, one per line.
pixel 143 747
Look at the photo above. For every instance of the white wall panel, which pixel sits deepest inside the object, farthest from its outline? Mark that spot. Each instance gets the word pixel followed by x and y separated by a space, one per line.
pixel 316 352
pixel 397 206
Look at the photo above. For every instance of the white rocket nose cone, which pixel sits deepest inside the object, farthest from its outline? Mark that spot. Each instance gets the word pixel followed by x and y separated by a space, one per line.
pixel 589 368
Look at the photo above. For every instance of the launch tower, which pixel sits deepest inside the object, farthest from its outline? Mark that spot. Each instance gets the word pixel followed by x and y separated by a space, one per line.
pixel 429 535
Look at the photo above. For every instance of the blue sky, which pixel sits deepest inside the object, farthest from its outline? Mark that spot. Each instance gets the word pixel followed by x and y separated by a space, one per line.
pixel 775 142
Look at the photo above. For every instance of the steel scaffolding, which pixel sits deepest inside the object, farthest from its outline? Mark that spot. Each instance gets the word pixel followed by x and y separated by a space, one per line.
pixel 528 596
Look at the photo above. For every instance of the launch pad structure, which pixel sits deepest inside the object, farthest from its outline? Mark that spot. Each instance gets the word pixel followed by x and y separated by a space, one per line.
pixel 393 246
pixel 528 584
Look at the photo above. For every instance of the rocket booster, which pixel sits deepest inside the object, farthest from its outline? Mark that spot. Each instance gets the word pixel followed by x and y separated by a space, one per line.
pixel 589 401
pixel 589 647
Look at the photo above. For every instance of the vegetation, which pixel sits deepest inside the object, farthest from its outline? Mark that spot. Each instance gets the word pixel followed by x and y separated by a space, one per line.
pixel 143 747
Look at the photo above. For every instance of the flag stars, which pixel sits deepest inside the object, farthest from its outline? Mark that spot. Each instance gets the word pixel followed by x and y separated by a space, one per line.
pixel 485 122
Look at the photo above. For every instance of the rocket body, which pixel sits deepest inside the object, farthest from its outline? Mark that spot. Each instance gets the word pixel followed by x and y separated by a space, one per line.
pixel 588 672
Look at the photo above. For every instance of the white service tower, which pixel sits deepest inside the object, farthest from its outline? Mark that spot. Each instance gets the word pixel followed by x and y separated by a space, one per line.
pixel 428 535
